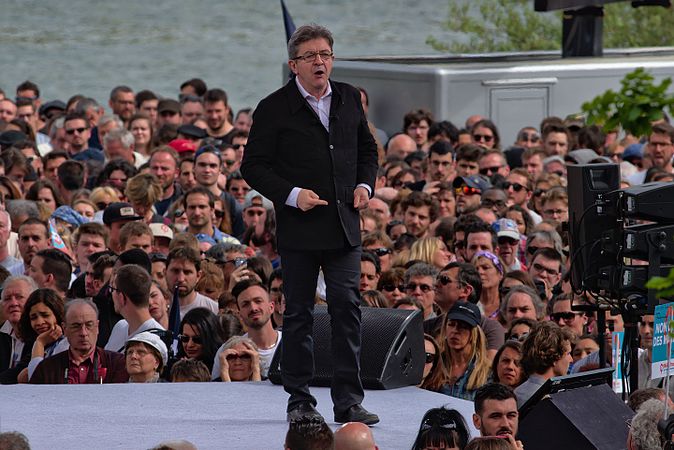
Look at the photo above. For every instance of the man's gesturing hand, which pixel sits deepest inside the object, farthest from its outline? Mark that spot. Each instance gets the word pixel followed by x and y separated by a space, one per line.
pixel 307 199
pixel 361 198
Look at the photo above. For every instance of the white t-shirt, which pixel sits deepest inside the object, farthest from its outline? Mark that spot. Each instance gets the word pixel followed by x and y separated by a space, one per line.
pixel 120 333
pixel 265 358
pixel 201 301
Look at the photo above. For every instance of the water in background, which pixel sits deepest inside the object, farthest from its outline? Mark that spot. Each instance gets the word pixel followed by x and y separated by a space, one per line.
pixel 81 46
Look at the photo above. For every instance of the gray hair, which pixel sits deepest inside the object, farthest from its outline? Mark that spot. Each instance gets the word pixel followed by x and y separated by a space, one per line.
pixel 23 207
pixel 104 120
pixel 644 431
pixel 307 33
pixel 119 134
pixel 80 301
pixel 86 104
pixel 420 270
pixel 32 286
pixel 550 236
pixel 236 340
pixel 539 306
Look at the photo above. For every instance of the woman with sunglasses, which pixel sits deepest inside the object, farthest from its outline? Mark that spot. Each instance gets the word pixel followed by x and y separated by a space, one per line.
pixel 433 358
pixel 491 269
pixel 485 134
pixel 392 284
pixel 200 336
pixel 115 174
pixel 239 360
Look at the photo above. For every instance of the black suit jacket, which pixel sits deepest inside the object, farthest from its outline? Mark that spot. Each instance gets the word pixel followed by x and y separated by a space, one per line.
pixel 7 375
pixel 289 147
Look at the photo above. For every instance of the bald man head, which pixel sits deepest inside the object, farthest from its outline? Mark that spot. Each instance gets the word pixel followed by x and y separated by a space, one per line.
pixel 354 436
pixel 400 146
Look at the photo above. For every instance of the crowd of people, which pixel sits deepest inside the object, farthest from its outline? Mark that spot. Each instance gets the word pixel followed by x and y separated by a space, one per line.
pixel 111 212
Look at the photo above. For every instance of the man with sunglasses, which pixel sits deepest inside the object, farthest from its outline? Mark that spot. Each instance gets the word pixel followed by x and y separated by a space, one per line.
pixel 468 191
pixel 564 316
pixel 518 187
pixel 381 245
pixel 528 137
pixel 492 162
pixel 419 283
pixel 77 134
pixel 311 153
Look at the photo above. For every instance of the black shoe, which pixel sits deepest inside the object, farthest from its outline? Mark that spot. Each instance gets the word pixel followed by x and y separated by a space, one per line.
pixel 304 409
pixel 356 413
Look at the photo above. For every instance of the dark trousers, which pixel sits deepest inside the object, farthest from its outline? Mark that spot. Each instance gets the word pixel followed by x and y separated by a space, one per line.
pixel 341 269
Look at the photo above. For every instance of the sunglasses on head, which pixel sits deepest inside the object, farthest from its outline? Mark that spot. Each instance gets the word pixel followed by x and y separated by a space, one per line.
pixel 533 137
pixel 185 339
pixel 516 186
pixel 467 190
pixel 518 337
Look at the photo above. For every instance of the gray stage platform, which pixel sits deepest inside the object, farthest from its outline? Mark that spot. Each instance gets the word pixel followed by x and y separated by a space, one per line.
pixel 211 415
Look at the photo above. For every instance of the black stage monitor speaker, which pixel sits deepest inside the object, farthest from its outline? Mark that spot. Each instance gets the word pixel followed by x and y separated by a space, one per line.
pixel 591 213
pixel 585 418
pixel 392 351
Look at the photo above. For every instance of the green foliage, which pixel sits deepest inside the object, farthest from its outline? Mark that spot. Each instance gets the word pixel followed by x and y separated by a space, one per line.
pixel 663 285
pixel 513 25
pixel 638 103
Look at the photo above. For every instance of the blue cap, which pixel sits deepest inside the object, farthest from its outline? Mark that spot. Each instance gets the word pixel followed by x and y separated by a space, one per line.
pixel 633 151
pixel 475 181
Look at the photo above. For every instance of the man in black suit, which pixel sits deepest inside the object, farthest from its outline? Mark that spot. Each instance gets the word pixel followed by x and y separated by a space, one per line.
pixel 311 153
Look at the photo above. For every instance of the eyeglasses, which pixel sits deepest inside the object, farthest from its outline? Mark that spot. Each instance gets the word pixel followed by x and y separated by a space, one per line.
pixel 482 137
pixel 276 290
pixel 78 130
pixel 102 205
pixel 239 146
pixel 253 212
pixel 311 56
pixel 381 251
pixel 566 316
pixel 533 137
pixel 490 170
pixel 467 190
pixel 459 245
pixel 185 339
pixel 244 357
pixel 413 287
pixel 553 212
pixel 219 214
pixel 445 280
pixel 503 240
pixel 540 268
pixel 430 358
pixel 503 291
pixel 178 213
pixel 489 203
pixel 516 186
pixel 538 192
pixel 229 162
pixel 393 287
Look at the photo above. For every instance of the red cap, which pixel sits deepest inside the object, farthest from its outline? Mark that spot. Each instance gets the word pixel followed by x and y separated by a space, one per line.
pixel 183 145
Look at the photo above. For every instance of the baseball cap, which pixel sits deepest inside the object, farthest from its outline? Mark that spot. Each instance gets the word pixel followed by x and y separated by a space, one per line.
pixel 54 104
pixel 153 341
pixel 183 145
pixel 161 230
pixel 11 137
pixel 138 257
pixel 168 105
pixel 506 228
pixel 201 237
pixel 633 151
pixel 254 198
pixel 475 181
pixel 192 131
pixel 465 312
pixel 118 211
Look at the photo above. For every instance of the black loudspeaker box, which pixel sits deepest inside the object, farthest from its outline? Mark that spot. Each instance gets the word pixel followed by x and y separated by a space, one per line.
pixel 580 419
pixel 392 351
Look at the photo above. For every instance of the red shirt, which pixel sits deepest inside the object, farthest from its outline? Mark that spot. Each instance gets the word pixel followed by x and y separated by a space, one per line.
pixel 85 372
